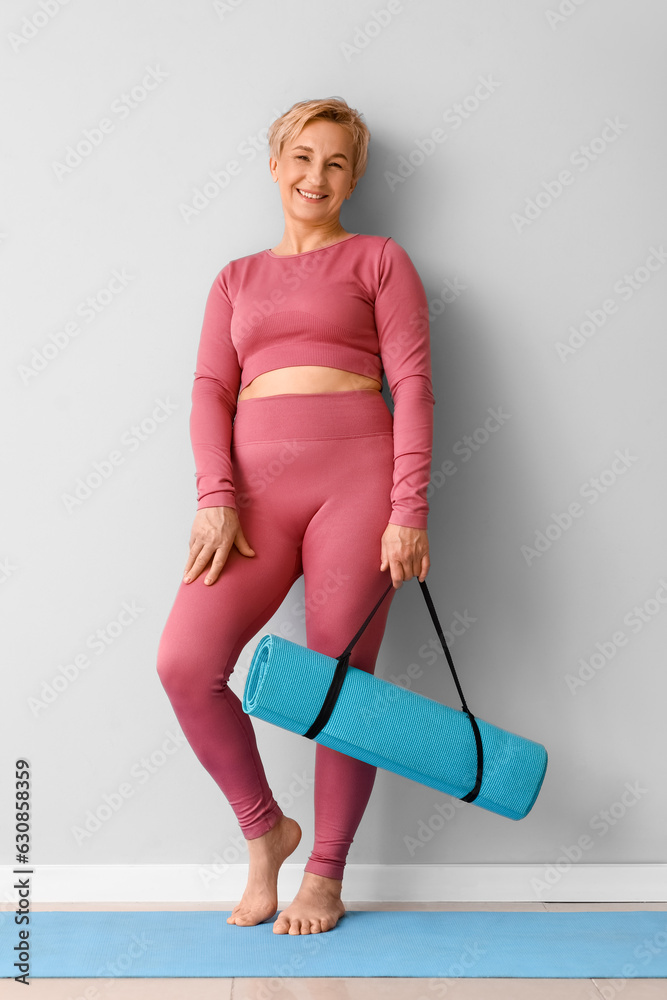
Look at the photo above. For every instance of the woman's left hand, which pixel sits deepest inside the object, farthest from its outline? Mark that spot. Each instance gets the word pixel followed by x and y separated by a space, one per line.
pixel 405 552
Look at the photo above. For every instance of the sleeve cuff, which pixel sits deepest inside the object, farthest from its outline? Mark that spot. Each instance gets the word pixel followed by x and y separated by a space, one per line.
pixel 409 520
pixel 222 499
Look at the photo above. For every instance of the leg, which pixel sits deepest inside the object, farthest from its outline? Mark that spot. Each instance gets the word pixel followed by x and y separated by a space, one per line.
pixel 204 634
pixel 206 630
pixel 343 582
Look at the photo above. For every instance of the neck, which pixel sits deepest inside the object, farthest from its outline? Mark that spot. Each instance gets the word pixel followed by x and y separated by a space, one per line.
pixel 300 239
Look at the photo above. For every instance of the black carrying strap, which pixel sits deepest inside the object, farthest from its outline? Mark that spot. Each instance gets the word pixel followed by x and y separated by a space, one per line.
pixel 341 670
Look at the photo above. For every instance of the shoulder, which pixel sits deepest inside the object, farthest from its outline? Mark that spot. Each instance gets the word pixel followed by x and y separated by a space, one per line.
pixel 235 264
pixel 382 245
pixel 383 251
pixel 394 249
pixel 231 274
pixel 391 255
pixel 395 262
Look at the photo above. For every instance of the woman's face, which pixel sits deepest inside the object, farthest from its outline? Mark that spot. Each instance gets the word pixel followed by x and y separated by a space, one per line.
pixel 323 168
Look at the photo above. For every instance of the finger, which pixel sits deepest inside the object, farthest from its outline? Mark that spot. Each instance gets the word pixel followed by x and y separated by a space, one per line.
pixel 200 564
pixel 407 563
pixel 418 564
pixel 397 572
pixel 219 560
pixel 195 549
pixel 243 545
pixel 384 556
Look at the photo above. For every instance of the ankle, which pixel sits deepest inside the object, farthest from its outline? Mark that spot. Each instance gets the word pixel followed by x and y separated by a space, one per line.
pixel 332 885
pixel 265 837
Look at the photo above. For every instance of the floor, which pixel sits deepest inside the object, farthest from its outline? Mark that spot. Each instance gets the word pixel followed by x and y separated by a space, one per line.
pixel 347 989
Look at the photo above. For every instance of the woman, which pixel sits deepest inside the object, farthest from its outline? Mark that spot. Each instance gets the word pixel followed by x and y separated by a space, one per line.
pixel 305 472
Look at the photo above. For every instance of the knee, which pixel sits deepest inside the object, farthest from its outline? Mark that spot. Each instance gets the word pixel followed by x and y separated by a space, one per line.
pixel 188 675
pixel 172 671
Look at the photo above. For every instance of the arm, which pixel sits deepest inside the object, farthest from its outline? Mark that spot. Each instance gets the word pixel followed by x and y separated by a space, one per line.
pixel 216 526
pixel 401 317
pixel 214 398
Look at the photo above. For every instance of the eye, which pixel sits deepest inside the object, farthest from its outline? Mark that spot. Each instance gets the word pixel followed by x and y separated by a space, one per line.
pixel 302 156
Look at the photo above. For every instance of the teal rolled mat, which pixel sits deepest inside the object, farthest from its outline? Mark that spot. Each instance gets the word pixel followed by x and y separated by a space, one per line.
pixel 396 729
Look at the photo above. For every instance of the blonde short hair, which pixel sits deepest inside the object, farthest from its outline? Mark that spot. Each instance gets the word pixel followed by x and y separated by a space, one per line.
pixel 335 109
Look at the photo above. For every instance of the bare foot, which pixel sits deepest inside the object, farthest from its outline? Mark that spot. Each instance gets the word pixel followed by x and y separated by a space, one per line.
pixel 267 853
pixel 317 907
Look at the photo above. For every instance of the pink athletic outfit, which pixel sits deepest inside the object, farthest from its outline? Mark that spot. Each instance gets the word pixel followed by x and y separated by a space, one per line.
pixel 315 478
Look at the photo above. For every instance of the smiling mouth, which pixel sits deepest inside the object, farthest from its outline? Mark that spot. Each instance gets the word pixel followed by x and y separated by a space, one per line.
pixel 311 197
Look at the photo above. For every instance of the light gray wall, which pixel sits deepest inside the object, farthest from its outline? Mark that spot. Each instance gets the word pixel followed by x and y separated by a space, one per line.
pixel 221 74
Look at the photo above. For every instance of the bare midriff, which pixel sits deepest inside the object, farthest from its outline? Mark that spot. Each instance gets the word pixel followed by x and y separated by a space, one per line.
pixel 307 379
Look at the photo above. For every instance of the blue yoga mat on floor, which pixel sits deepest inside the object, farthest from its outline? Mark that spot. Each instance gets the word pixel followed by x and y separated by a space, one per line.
pixel 421 944
pixel 396 729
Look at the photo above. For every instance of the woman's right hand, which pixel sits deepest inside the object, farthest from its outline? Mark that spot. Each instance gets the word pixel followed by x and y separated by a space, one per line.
pixel 214 531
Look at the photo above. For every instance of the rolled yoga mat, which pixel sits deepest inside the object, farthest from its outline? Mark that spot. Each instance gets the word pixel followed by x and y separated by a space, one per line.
pixel 396 729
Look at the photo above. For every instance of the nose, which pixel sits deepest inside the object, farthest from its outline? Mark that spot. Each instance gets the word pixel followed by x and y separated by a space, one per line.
pixel 315 175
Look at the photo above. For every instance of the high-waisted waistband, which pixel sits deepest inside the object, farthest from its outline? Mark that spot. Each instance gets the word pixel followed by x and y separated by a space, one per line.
pixel 311 416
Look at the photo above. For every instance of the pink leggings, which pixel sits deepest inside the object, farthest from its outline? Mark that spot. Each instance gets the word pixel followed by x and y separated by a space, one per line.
pixel 313 477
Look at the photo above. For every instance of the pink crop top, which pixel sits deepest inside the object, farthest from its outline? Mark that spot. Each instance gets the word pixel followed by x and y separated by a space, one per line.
pixel 359 305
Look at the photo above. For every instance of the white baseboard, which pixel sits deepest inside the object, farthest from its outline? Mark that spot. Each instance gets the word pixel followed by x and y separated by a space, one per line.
pixel 561 881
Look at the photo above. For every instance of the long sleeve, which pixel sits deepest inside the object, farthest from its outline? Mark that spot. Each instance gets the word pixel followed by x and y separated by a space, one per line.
pixel 401 317
pixel 214 398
